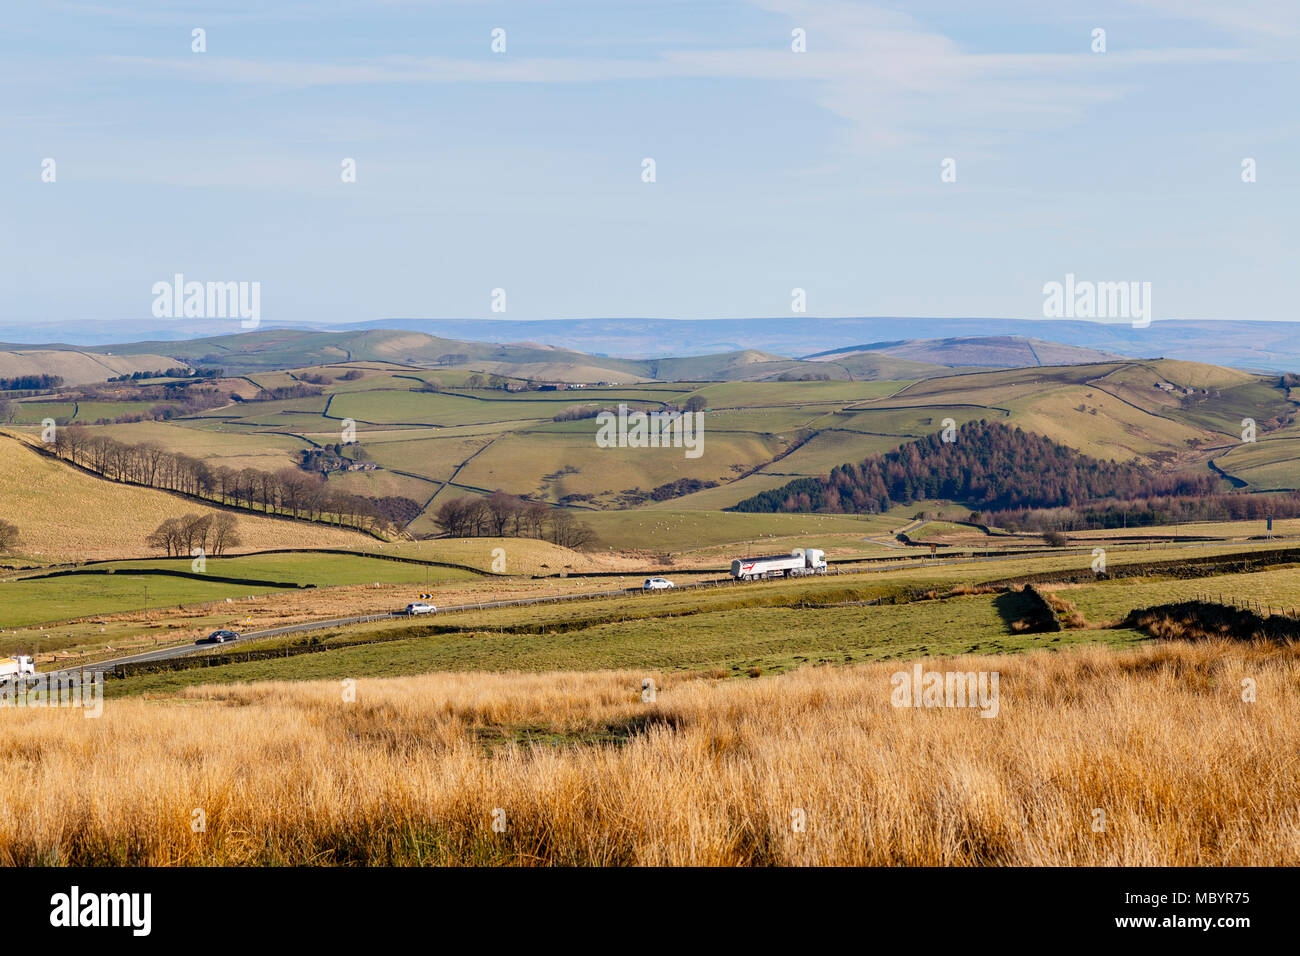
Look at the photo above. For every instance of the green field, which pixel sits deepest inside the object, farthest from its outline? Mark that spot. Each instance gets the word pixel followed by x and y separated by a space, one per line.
pixel 35 600
pixel 307 568
pixel 30 602
pixel 1265 465
pixel 1109 602
pixel 739 642
pixel 33 413
pixel 829 449
pixel 437 408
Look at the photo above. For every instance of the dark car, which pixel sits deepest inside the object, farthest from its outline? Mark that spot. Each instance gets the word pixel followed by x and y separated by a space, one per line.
pixel 218 637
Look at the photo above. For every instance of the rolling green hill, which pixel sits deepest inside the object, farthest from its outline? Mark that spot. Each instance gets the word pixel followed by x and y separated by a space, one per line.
pixel 434 423
pixel 434 433
pixel 273 349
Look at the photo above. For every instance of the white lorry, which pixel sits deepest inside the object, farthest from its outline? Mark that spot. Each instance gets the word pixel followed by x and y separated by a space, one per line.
pixel 16 669
pixel 798 562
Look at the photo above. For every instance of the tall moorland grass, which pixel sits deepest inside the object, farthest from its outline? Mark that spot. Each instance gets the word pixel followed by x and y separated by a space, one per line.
pixel 711 772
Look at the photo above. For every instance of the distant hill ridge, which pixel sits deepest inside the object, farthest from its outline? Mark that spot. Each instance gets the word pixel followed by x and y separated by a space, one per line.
pixel 1241 343
pixel 268 349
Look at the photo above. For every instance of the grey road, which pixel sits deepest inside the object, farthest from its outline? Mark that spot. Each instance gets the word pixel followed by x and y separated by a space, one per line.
pixel 183 650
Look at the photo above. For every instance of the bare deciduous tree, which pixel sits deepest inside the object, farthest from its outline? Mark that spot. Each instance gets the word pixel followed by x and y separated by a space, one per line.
pixel 9 537
pixel 225 534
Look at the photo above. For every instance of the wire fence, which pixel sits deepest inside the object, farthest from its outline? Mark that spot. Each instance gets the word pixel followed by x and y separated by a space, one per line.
pixel 1262 608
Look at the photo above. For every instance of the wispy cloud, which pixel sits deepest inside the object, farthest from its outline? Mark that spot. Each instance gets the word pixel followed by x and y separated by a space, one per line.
pixel 891 78
pixel 1253 18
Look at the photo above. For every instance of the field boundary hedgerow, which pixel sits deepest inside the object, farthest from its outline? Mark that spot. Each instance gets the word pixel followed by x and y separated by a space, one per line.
pixel 1202 620
pixel 170 573
pixel 91 566
pixel 1184 568
pixel 404 559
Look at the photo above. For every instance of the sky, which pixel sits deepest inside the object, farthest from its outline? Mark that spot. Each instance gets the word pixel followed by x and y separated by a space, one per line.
pixel 523 170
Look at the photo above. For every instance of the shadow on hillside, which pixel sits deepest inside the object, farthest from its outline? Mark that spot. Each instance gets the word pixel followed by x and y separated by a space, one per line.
pixel 1020 612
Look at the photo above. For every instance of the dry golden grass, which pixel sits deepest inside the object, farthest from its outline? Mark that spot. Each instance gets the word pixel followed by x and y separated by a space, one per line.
pixel 1066 611
pixel 521 556
pixel 710 773
pixel 67 515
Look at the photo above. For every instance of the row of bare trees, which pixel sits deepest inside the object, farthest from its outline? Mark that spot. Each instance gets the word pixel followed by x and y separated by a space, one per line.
pixel 289 491
pixel 505 516
pixel 214 534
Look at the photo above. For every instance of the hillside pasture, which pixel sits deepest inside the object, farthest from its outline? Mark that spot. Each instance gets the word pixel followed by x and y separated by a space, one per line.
pixel 77 367
pixel 35 412
pixel 64 514
pixel 672 528
pixel 1265 465
pixel 435 408
pixel 527 464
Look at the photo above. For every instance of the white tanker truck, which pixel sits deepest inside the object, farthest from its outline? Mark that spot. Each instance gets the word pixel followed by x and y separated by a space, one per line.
pixel 798 562
pixel 17 669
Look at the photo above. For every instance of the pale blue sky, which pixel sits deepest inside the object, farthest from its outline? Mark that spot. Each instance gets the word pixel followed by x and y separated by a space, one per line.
pixel 522 170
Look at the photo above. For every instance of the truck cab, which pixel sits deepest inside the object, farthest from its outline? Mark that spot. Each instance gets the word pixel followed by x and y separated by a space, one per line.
pixel 17 668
